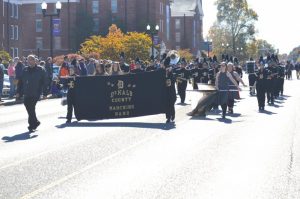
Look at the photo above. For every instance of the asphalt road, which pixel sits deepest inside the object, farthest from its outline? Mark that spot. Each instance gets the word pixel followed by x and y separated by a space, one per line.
pixel 250 155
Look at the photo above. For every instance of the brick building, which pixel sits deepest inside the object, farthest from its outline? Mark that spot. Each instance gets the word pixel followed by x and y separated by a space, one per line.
pixel 29 32
pixel 187 25
pixel 10 19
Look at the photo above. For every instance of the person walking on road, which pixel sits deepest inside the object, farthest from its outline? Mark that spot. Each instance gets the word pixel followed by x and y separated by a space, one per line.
pixel 223 81
pixel 31 84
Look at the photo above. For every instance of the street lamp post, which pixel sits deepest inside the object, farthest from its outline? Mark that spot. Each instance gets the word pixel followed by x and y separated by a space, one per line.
pixel 226 46
pixel 152 31
pixel 209 42
pixel 58 9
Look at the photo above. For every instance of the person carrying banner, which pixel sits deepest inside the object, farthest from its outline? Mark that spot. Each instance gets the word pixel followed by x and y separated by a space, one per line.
pixel 223 81
pixel 170 92
pixel 71 93
pixel 233 92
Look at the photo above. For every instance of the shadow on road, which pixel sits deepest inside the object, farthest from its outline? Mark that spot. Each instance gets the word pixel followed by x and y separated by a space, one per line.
pixel 19 137
pixel 201 118
pixel 268 112
pixel 162 126
pixel 226 120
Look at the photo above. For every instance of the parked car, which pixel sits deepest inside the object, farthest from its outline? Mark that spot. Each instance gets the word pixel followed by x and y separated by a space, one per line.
pixel 6 85
pixel 55 71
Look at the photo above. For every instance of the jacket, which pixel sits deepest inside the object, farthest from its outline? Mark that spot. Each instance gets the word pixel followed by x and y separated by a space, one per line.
pixel 33 81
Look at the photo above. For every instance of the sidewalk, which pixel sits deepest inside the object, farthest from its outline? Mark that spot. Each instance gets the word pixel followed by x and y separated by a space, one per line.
pixel 9 102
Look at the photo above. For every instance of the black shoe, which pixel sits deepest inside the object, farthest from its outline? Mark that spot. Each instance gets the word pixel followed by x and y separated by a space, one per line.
pixel 223 116
pixel 230 111
pixel 36 125
pixel 30 129
pixel 262 108
pixel 68 121
pixel 168 121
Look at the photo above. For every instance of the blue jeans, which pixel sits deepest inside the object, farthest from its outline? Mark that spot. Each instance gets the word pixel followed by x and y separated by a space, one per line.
pixel 1 87
pixel 12 87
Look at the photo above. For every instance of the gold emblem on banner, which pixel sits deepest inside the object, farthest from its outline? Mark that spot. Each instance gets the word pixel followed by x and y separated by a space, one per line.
pixel 120 84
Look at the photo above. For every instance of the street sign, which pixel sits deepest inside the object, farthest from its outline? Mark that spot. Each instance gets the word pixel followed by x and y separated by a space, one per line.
pixel 206 45
pixel 156 40
pixel 56 27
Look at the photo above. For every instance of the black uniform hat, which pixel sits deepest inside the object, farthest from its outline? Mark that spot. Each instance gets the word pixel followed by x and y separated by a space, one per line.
pixel 215 58
pixel 223 57
pixel 235 60
pixel 261 60
pixel 122 55
pixel 167 62
pixel 183 61
pixel 163 57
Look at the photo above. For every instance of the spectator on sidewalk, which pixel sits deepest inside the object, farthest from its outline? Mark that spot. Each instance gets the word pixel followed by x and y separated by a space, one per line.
pixel 1 78
pixel 12 74
pixel 91 67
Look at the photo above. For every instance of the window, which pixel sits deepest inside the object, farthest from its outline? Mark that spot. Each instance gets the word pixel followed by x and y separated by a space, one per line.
pixel 177 37
pixel 12 6
pixel 161 8
pixel 16 11
pixel 114 6
pixel 16 52
pixel 57 42
pixel 38 8
pixel 3 8
pixel 161 25
pixel 12 32
pixel 96 25
pixel 177 24
pixel 39 42
pixel 38 25
pixel 16 32
pixel 12 50
pixel 95 7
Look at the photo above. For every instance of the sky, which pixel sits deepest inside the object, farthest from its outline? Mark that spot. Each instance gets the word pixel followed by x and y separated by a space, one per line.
pixel 278 21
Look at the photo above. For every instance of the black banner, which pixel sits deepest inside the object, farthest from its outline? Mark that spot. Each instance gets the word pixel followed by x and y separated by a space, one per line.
pixel 122 96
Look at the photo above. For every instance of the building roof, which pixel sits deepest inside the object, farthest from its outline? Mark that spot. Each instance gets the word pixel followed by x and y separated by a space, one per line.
pixel 38 1
pixel 186 7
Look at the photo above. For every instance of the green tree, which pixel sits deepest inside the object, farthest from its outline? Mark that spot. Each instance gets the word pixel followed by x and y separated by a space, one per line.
pixel 237 19
pixel 137 45
pixel 5 57
pixel 260 47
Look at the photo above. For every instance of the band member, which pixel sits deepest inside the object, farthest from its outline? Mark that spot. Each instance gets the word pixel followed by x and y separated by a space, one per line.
pixel 32 82
pixel 271 82
pixel 71 93
pixel 297 68
pixel 251 75
pixel 170 91
pixel 204 73
pixel 233 92
pixel 196 75
pixel 182 76
pixel 237 68
pixel 280 80
pixel 223 81
pixel 261 86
